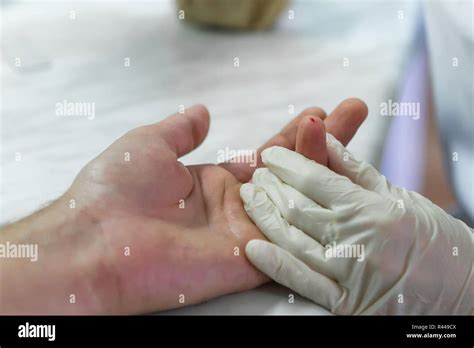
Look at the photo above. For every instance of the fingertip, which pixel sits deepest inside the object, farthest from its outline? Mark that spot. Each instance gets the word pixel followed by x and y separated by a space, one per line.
pixel 346 119
pixel 251 247
pixel 315 112
pixel 256 249
pixel 257 175
pixel 200 114
pixel 360 104
pixel 311 139
pixel 316 123
pixel 357 106
pixel 198 109
pixel 247 191
pixel 268 152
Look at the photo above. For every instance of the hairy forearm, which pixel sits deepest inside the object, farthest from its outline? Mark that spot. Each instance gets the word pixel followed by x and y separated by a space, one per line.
pixel 46 264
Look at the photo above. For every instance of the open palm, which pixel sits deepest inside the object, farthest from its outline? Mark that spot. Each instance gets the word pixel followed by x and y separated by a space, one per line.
pixel 172 235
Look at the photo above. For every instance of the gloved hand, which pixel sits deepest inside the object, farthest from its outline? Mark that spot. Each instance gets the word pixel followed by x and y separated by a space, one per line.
pixel 351 242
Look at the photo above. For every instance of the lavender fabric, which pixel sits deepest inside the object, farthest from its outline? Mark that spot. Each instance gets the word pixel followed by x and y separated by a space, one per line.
pixel 403 156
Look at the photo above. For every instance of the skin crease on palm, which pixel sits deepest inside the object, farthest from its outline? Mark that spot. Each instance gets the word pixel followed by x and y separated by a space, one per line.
pixel 177 254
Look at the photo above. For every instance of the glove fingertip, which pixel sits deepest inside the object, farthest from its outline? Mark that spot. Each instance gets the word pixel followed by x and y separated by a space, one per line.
pixel 268 153
pixel 247 192
pixel 275 155
pixel 258 175
pixel 264 256
pixel 255 250
pixel 252 247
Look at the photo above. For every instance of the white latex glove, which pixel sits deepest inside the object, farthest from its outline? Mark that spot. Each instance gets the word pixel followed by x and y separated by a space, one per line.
pixel 416 259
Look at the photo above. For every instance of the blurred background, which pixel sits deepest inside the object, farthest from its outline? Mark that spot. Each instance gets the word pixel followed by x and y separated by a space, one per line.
pixel 254 64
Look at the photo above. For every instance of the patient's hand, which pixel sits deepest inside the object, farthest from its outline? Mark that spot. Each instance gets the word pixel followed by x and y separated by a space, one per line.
pixel 148 233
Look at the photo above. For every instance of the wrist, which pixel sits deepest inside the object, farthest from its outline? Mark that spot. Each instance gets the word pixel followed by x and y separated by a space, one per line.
pixel 46 267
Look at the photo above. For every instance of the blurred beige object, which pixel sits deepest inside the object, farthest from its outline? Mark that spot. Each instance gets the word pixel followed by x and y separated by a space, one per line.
pixel 236 14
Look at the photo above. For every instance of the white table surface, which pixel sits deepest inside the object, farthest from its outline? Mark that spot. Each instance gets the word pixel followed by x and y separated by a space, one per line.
pixel 298 63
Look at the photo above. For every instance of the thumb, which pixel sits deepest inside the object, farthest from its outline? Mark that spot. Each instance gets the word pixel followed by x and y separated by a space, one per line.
pixel 184 132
